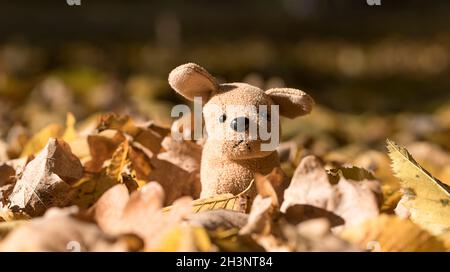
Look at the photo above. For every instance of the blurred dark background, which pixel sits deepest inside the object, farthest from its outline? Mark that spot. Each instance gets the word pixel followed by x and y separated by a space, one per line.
pixel 107 55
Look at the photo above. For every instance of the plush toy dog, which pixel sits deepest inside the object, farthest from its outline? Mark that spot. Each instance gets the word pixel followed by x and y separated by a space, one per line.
pixel 229 163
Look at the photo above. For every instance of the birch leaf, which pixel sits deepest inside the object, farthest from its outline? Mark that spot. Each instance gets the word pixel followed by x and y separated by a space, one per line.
pixel 426 198
pixel 239 202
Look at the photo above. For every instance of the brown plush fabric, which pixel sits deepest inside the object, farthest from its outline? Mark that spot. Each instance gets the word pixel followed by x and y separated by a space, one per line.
pixel 228 165
pixel 191 80
pixel 293 103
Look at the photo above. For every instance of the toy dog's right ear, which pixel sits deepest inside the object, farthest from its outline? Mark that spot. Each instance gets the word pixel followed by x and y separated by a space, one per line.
pixel 191 80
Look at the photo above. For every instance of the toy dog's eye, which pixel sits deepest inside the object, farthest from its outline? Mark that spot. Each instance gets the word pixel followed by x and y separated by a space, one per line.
pixel 222 118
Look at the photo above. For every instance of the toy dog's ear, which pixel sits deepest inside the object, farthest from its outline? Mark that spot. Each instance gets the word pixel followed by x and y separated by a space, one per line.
pixel 191 80
pixel 292 102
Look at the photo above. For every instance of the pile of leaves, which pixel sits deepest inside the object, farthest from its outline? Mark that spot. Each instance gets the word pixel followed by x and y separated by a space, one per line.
pixel 114 184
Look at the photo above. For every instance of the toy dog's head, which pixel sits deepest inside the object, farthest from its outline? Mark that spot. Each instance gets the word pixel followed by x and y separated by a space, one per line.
pixel 238 116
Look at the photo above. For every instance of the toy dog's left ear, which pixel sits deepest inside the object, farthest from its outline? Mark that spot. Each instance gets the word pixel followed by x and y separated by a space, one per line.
pixel 191 80
pixel 292 102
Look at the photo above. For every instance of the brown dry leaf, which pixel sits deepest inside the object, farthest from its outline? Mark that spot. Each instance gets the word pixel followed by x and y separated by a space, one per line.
pixel 126 166
pixel 10 170
pixel 261 224
pixel 101 148
pixel 45 181
pixel 150 135
pixel 389 233
pixel 3 151
pixel 266 204
pixel 117 212
pixel 314 236
pixel 141 214
pixel 7 174
pixel 271 185
pixel 5 213
pixel 185 154
pixel 140 165
pixel 90 188
pixel 177 169
pixel 313 193
pixel 175 181
pixel 59 230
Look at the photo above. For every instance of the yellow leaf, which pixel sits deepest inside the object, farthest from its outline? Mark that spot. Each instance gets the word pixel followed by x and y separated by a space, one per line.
pixel 70 133
pixel 183 237
pixel 40 139
pixel 118 161
pixel 380 164
pixel 426 198
pixel 6 227
pixel 389 233
pixel 446 239
pixel 229 240
pixel 239 202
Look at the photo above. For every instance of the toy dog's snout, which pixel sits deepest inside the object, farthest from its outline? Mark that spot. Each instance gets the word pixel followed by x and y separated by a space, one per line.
pixel 240 124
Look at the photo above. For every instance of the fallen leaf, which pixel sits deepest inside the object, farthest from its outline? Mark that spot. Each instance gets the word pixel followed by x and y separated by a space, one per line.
pixel 102 148
pixel 7 227
pixel 389 233
pixel 215 219
pixel 315 235
pixel 40 139
pixel 7 174
pixel 3 151
pixel 185 238
pixel 426 198
pixel 380 164
pixel 354 198
pixel 149 135
pixel 239 202
pixel 175 181
pixel 185 154
pixel 141 214
pixel 45 181
pixel 70 132
pixel 61 231
pixel 229 240
pixel 265 206
pixel 118 161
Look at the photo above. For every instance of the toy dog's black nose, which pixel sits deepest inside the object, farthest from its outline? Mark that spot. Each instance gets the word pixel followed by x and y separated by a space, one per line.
pixel 240 124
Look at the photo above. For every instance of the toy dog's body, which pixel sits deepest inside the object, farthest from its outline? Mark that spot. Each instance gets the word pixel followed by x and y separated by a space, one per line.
pixel 233 152
pixel 222 175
